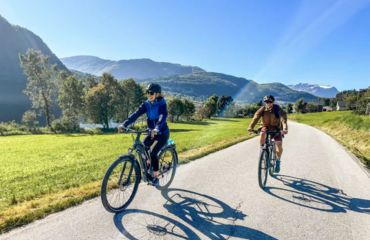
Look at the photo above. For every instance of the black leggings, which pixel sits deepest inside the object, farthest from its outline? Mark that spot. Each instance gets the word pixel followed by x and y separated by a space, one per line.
pixel 159 141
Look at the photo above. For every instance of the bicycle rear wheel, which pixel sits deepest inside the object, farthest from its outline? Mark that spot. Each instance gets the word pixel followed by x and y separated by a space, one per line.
pixel 167 167
pixel 263 169
pixel 120 184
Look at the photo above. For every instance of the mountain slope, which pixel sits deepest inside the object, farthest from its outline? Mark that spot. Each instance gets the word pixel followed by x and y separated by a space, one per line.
pixel 181 80
pixel 315 89
pixel 124 69
pixel 204 84
pixel 15 40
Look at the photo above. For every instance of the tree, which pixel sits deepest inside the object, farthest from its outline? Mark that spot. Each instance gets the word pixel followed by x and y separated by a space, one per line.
pixel 364 100
pixel 175 109
pixel 222 104
pixel 134 96
pixel 311 107
pixel 248 110
pixel 89 82
pixel 104 100
pixel 189 108
pixel 41 82
pixel 211 106
pixel 300 105
pixel 289 108
pixel 29 119
pixel 71 101
pixel 97 104
pixel 203 112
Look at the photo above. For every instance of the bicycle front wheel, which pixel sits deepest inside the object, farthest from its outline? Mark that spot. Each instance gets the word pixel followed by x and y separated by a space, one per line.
pixel 263 169
pixel 120 184
pixel 167 167
pixel 272 162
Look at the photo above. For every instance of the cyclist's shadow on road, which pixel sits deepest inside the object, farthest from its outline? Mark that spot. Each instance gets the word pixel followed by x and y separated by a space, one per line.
pixel 212 217
pixel 317 196
pixel 208 215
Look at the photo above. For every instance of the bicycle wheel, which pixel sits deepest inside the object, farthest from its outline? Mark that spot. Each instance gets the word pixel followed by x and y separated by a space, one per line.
pixel 120 184
pixel 272 162
pixel 167 167
pixel 262 169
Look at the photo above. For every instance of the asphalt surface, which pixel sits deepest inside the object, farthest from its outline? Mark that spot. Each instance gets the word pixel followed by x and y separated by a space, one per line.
pixel 320 193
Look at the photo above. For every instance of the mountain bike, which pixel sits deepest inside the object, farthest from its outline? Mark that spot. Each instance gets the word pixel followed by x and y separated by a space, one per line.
pixel 121 181
pixel 267 157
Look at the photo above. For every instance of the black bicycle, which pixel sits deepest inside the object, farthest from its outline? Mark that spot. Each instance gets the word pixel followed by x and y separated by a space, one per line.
pixel 267 157
pixel 122 178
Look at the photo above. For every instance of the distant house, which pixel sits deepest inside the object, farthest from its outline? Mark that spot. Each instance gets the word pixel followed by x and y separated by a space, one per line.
pixel 341 106
pixel 327 109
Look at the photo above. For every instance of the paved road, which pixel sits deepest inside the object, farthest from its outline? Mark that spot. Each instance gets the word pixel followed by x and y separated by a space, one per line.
pixel 321 193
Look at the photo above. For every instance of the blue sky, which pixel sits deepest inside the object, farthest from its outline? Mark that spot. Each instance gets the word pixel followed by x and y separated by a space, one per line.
pixel 288 41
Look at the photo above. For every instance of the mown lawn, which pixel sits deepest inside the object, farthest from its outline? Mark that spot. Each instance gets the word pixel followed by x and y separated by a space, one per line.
pixel 41 174
pixel 352 130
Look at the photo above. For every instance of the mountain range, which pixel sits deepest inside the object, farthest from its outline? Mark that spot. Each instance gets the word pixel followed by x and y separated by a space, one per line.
pixel 124 69
pixel 175 78
pixel 15 40
pixel 315 89
pixel 184 80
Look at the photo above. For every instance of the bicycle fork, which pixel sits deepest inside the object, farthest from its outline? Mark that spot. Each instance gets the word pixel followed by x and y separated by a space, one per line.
pixel 122 173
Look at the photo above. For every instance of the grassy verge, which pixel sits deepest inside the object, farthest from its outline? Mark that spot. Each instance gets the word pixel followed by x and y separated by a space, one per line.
pixel 353 131
pixel 42 174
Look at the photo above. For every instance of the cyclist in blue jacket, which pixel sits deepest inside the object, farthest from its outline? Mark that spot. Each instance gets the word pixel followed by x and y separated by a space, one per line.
pixel 156 111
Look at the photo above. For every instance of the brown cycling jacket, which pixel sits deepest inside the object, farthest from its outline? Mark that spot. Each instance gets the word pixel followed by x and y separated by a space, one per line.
pixel 269 119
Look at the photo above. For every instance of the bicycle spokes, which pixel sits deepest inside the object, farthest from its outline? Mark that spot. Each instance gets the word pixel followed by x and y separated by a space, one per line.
pixel 120 184
pixel 167 167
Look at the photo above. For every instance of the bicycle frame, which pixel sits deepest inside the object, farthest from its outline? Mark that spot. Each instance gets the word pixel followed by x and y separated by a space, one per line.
pixel 140 149
pixel 269 146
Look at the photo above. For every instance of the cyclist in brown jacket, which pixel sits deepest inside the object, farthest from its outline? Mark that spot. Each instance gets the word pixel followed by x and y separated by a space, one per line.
pixel 273 118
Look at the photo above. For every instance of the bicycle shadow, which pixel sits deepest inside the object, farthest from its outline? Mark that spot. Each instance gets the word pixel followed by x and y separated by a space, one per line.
pixel 138 224
pixel 212 217
pixel 317 196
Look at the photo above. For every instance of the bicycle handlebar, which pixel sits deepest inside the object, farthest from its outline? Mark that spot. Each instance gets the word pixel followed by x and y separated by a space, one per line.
pixel 267 132
pixel 131 130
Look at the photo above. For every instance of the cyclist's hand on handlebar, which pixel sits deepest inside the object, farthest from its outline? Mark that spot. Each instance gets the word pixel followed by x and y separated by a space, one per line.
pixel 252 131
pixel 121 128
pixel 285 131
pixel 154 132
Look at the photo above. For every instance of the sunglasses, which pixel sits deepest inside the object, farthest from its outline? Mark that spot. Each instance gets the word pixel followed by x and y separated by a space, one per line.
pixel 150 93
pixel 268 102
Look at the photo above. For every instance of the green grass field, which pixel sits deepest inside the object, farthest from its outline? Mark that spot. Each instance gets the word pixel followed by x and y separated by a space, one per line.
pixel 352 130
pixel 41 174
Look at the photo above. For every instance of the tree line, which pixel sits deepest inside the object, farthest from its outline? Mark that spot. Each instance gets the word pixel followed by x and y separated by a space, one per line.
pixel 98 100
pixel 65 100
pixel 356 100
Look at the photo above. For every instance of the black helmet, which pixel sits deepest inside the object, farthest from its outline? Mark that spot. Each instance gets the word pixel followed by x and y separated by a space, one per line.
pixel 268 98
pixel 154 87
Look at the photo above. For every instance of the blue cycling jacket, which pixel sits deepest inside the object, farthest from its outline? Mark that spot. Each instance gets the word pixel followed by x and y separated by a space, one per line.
pixel 156 113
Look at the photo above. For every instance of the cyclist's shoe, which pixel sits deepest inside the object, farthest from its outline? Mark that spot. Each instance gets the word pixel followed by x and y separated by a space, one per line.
pixel 149 177
pixel 155 182
pixel 277 166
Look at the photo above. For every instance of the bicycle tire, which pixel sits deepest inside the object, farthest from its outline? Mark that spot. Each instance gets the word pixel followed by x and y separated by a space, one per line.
pixel 167 175
pixel 263 169
pixel 132 171
pixel 272 162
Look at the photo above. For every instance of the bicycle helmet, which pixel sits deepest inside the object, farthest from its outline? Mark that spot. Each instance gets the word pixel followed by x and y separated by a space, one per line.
pixel 154 87
pixel 268 98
